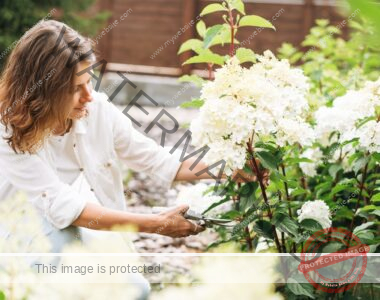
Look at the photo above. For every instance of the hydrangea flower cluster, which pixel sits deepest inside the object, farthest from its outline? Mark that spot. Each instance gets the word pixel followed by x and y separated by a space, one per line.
pixel 316 210
pixel 265 101
pixel 354 115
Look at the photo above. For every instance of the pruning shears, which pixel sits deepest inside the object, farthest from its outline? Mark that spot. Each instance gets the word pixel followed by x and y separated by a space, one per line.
pixel 199 218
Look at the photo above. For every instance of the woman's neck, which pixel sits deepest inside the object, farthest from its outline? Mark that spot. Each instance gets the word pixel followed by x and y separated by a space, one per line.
pixel 63 131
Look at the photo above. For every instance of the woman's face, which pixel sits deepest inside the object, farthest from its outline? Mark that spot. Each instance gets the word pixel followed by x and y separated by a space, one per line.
pixel 82 93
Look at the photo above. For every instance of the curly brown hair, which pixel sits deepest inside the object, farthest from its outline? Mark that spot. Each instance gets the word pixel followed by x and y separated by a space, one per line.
pixel 37 83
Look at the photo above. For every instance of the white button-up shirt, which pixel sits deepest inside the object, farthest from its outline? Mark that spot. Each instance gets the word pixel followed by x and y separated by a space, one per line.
pixel 95 146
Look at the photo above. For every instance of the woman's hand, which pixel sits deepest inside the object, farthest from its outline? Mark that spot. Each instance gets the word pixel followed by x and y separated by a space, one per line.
pixel 241 176
pixel 172 223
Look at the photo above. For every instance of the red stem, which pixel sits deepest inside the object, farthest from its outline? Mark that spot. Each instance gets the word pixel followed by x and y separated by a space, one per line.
pixel 231 20
pixel 263 191
pixel 209 66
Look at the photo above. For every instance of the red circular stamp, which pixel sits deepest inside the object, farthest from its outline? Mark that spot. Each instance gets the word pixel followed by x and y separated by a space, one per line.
pixel 338 271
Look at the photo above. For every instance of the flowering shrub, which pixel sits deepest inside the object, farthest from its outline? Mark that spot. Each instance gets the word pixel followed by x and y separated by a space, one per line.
pixel 316 128
pixel 275 116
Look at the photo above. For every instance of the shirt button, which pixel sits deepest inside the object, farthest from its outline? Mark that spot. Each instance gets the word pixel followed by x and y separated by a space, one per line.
pixel 81 169
pixel 108 164
pixel 44 195
pixel 74 145
pixel 91 189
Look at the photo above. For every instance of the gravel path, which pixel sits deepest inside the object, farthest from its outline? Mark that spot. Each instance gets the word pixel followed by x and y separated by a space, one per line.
pixel 142 193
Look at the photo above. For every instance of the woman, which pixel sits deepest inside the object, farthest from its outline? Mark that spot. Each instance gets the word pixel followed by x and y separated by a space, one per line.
pixel 58 133
pixel 55 127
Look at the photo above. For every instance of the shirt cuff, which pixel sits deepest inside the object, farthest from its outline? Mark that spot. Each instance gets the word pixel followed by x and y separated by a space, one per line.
pixel 62 209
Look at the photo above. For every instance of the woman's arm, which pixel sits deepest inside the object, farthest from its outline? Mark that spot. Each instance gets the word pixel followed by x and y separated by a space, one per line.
pixel 170 223
pixel 185 174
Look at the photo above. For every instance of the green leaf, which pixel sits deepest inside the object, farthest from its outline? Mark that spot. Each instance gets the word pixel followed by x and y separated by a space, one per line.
pixel 303 289
pixel 334 169
pixel 338 188
pixel 232 214
pixel 375 198
pixel 332 247
pixel 359 164
pixel 195 103
pixel 238 5
pixel 323 188
pixel 201 28
pixel 244 223
pixel 245 55
pixel 215 205
pixel 253 20
pixel 268 160
pixel 368 208
pixel 322 22
pixel 247 195
pixel 206 56
pixel 2 295
pixel 297 160
pixel 362 227
pixel 298 191
pixel 284 223
pixel 223 37
pixel 376 156
pixel 263 228
pixel 211 33
pixel 366 237
pixel 212 8
pixel 311 225
pixel 270 146
pixel 197 80
pixel 192 44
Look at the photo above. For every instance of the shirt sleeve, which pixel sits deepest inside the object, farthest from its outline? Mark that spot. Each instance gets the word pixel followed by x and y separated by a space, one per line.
pixel 59 202
pixel 141 153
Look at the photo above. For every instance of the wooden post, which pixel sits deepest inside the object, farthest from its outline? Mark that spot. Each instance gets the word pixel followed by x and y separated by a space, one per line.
pixel 308 13
pixel 189 14
pixel 108 43
pixel 105 43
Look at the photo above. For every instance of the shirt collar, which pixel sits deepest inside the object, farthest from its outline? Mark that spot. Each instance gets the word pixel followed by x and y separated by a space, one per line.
pixel 80 126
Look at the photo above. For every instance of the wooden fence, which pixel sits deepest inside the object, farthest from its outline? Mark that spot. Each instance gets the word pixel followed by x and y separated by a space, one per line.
pixel 146 39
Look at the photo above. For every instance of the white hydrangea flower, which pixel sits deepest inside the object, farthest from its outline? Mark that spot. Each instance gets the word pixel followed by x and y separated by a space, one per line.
pixel 234 155
pixel 267 101
pixel 219 120
pixel 316 210
pixel 309 168
pixel 292 131
pixel 193 195
pixel 344 118
pixel 369 136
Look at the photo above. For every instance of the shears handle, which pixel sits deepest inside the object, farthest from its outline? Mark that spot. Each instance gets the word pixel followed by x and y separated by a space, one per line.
pixel 190 214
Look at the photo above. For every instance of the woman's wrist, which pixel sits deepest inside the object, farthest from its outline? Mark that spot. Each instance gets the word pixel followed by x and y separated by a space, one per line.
pixel 151 223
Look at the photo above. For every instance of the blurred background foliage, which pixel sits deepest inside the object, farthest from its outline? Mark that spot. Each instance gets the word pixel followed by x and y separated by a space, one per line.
pixel 17 16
